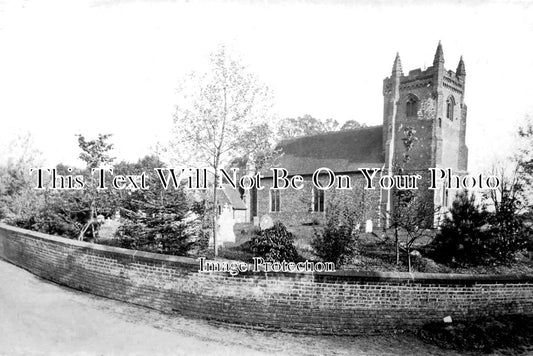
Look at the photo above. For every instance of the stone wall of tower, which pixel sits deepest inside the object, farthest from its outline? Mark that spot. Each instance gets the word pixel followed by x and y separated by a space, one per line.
pixel 453 129
pixel 463 149
pixel 441 137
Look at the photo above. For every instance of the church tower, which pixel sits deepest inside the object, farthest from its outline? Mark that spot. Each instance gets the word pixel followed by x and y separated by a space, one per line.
pixel 430 102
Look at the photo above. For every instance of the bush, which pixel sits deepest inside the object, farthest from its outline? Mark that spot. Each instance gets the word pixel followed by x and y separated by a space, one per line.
pixel 508 233
pixel 473 236
pixel 336 243
pixel 463 234
pixel 162 233
pixel 275 244
pixel 61 216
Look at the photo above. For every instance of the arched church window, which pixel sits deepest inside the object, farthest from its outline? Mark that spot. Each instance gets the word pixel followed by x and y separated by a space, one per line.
pixel 411 107
pixel 450 105
pixel 318 200
pixel 275 200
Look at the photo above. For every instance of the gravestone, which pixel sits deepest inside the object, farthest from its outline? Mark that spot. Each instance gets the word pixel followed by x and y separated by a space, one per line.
pixel 266 222
pixel 369 227
pixel 225 226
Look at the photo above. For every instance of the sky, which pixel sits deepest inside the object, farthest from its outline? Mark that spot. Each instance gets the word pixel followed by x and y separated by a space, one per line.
pixel 89 67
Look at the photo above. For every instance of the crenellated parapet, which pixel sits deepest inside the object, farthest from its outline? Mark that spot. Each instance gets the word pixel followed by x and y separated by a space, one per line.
pixel 430 101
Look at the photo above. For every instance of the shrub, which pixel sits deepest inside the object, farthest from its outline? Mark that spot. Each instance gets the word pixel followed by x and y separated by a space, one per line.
pixel 471 235
pixel 508 233
pixel 162 233
pixel 336 243
pixel 463 233
pixel 275 244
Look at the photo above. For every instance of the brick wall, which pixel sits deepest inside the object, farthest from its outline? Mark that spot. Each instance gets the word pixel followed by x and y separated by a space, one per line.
pixel 340 302
pixel 296 205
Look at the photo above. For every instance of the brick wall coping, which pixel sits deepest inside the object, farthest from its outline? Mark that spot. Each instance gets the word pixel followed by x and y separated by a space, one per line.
pixel 341 276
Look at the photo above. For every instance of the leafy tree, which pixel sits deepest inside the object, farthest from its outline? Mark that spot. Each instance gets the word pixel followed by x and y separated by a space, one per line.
pixel 330 125
pixel 351 124
pixel 18 199
pixel 511 202
pixel 63 213
pixel 95 154
pixel 508 235
pixel 71 213
pixel 523 175
pixel 132 199
pixel 305 126
pixel 222 114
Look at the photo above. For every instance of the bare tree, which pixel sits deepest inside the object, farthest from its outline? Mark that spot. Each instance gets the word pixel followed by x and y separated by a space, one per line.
pixel 411 211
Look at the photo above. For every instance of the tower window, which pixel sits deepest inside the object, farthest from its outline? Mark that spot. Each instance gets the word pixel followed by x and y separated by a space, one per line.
pixel 318 200
pixel 275 201
pixel 450 104
pixel 411 107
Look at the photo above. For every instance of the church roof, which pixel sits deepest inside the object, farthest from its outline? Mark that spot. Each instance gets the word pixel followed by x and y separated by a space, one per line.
pixel 340 151
pixel 234 197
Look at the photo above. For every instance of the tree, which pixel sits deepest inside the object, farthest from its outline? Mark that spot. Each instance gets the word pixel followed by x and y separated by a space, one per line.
pixel 351 124
pixel 462 233
pixel 307 126
pixel 18 199
pixel 511 201
pixel 132 199
pixel 161 221
pixel 494 232
pixel 304 126
pixel 71 213
pixel 524 158
pixel 156 220
pixel 411 211
pixel 223 113
pixel 471 235
pixel 95 154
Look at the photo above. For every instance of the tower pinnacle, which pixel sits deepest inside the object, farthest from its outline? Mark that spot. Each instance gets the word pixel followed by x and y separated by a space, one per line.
pixel 439 56
pixel 397 67
pixel 461 72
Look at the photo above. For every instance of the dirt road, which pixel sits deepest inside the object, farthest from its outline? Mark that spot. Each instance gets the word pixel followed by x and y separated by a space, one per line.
pixel 41 318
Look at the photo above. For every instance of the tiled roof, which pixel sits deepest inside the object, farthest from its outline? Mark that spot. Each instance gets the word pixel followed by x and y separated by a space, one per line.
pixel 234 197
pixel 341 151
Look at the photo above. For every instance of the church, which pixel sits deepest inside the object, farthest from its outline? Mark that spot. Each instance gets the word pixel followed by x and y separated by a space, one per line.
pixel 430 102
